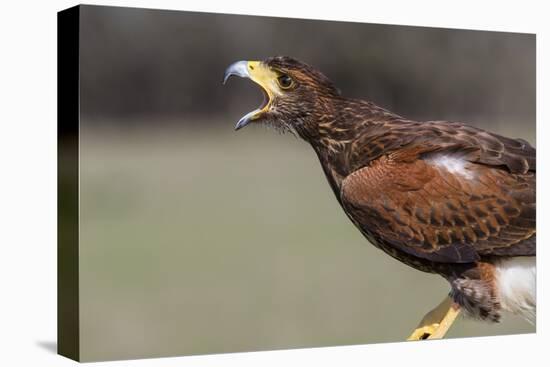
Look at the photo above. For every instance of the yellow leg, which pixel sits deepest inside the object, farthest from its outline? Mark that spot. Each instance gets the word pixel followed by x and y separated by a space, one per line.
pixel 437 322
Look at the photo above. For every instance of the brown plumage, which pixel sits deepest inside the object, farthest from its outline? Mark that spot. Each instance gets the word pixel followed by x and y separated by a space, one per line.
pixel 442 197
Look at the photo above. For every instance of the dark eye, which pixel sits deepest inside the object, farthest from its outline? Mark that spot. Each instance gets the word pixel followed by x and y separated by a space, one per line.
pixel 285 81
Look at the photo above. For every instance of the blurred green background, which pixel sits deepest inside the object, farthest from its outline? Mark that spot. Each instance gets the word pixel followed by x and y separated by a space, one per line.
pixel 197 239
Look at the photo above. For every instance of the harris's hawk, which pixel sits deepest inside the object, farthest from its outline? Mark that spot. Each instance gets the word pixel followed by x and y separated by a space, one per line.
pixel 442 197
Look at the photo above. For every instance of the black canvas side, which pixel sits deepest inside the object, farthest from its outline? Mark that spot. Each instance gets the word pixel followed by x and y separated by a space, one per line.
pixel 68 330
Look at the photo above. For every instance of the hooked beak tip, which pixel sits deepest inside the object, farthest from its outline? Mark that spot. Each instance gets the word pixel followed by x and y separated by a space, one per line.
pixel 242 123
pixel 239 68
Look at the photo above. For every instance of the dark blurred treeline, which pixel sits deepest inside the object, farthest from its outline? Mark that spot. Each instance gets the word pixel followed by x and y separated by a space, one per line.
pixel 140 64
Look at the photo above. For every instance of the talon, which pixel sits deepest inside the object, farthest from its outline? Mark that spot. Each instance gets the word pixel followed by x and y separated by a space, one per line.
pixel 423 332
pixel 437 322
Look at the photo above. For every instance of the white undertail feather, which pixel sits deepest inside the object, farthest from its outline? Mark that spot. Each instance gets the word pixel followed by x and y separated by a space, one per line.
pixel 516 283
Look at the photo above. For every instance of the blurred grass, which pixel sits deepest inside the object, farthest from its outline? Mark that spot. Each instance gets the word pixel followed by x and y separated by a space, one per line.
pixel 211 241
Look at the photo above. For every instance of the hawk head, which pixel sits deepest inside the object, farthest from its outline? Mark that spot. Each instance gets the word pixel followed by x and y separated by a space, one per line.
pixel 295 94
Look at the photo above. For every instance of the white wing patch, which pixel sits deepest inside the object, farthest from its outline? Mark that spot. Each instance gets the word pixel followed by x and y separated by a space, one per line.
pixel 452 164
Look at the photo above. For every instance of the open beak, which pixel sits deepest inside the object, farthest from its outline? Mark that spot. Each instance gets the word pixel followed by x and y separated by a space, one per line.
pixel 261 75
